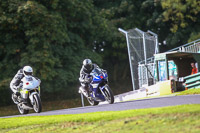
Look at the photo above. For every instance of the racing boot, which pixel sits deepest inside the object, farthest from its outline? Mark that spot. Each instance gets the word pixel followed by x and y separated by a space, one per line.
pixel 14 98
pixel 84 91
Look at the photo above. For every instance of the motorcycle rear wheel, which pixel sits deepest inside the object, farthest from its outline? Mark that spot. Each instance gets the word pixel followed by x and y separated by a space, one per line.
pixel 108 95
pixel 21 110
pixel 37 104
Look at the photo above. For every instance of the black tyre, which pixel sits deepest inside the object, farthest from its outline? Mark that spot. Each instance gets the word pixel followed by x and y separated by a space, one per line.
pixel 37 104
pixel 21 110
pixel 108 95
pixel 92 102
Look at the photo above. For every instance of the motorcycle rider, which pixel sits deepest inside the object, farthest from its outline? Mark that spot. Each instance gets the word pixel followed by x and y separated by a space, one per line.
pixel 26 71
pixel 86 69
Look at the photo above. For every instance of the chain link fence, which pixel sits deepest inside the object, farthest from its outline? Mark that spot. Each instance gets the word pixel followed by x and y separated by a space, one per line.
pixel 141 48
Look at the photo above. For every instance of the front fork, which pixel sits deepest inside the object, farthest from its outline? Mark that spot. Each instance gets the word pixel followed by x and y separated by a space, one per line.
pixel 95 91
pixel 31 97
pixel 101 89
pixel 32 94
pixel 25 94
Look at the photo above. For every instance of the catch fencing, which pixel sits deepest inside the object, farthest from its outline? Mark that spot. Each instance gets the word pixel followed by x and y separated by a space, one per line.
pixel 141 48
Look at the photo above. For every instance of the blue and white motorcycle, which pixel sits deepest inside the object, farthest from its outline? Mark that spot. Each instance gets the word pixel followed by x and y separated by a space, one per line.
pixel 99 91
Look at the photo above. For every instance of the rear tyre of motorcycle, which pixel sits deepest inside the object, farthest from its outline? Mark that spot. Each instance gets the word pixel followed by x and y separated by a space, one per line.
pixel 109 95
pixel 92 102
pixel 37 104
pixel 21 110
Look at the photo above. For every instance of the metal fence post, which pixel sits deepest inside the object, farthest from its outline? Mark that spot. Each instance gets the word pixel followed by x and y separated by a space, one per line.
pixel 82 100
pixel 129 55
pixel 145 58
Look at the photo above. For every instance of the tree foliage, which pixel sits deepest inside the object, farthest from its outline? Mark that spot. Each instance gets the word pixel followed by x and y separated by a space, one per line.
pixel 183 16
pixel 54 36
pixel 181 13
pixel 50 36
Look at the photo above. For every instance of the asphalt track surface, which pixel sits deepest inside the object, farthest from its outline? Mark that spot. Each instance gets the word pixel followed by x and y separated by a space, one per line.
pixel 128 105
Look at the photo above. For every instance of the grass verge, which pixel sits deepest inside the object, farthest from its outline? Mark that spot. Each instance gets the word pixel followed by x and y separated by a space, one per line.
pixel 189 92
pixel 182 118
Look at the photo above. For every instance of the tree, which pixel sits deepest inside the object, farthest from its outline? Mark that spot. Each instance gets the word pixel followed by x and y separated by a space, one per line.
pixel 51 36
pixel 183 16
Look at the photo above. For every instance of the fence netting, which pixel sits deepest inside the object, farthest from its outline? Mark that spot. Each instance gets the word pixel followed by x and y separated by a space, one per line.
pixel 142 46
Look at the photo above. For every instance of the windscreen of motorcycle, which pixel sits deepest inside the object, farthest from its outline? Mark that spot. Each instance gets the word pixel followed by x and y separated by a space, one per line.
pixel 30 83
pixel 96 73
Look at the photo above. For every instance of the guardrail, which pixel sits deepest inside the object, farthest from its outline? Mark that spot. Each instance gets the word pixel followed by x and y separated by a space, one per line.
pixel 192 47
pixel 192 81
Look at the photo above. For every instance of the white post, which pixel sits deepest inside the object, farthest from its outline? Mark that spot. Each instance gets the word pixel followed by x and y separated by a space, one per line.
pixel 142 68
pixel 145 58
pixel 130 62
pixel 82 100
pixel 156 49
pixel 139 75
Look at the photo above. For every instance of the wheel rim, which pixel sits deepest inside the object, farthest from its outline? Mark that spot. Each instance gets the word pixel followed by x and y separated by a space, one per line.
pixel 35 106
pixel 107 94
pixel 91 101
pixel 21 110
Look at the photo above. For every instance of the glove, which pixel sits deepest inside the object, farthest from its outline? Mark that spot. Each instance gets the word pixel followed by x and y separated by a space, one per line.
pixel 39 81
pixel 104 71
pixel 16 88
pixel 81 79
pixel 88 79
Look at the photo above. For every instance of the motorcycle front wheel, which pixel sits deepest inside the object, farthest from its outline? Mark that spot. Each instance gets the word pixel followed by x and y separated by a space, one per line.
pixel 37 106
pixel 92 102
pixel 22 110
pixel 108 95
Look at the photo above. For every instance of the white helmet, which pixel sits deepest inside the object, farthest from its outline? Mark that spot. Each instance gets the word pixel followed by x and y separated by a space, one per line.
pixel 27 71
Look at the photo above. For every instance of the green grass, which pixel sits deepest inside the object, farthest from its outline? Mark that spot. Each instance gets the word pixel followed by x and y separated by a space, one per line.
pixel 182 118
pixel 189 92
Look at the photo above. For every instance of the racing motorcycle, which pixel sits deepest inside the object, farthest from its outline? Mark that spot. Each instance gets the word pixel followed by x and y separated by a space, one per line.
pixel 29 95
pixel 99 91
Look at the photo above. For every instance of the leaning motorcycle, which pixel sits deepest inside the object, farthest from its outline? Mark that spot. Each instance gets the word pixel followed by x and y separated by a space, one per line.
pixel 29 95
pixel 99 90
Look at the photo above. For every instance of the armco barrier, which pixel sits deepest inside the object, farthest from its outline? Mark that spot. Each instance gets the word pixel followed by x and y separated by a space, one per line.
pixel 158 89
pixel 192 81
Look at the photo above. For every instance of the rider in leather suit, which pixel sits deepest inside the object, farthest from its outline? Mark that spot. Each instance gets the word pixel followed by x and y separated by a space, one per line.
pixel 86 69
pixel 14 84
